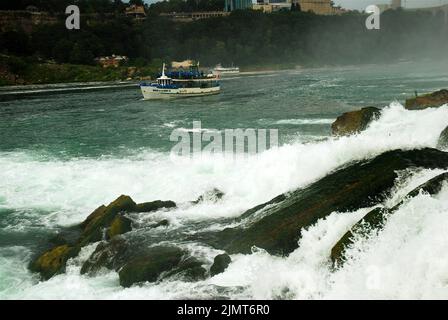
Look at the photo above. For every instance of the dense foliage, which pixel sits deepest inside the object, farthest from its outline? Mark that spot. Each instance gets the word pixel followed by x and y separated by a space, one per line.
pixel 245 38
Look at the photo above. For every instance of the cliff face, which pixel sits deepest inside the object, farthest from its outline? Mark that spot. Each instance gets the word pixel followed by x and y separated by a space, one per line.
pixel 24 20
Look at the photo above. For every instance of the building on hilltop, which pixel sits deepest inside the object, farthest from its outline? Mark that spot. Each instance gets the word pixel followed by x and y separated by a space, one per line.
pixel 231 5
pixel 320 7
pixel 270 7
pixel 136 12
pixel 193 16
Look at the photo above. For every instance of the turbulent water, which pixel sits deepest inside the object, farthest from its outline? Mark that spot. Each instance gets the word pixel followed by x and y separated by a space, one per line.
pixel 63 154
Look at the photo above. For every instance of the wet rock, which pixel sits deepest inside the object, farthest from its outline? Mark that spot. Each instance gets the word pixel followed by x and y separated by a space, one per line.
pixel 154 206
pixel 375 219
pixel 354 121
pixel 162 223
pixel 431 100
pixel 372 220
pixel 53 261
pixel 105 222
pixel 102 218
pixel 220 264
pixel 189 269
pixel 213 195
pixel 360 185
pixel 442 143
pixel 110 255
pixel 118 226
pixel 149 266
pixel 69 236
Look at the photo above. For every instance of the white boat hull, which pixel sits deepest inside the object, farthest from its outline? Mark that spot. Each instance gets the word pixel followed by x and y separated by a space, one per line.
pixel 150 92
pixel 225 73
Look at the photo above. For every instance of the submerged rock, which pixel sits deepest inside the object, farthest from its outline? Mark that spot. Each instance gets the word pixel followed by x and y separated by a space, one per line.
pixel 53 261
pixel 442 143
pixel 213 195
pixel 220 264
pixel 354 121
pixel 375 219
pixel 431 100
pixel 363 184
pixel 154 206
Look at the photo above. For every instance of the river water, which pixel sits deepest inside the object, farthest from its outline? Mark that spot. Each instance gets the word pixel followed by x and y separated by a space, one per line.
pixel 62 154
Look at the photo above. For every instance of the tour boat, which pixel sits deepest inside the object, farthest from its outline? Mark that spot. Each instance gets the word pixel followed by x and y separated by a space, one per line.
pixel 222 71
pixel 177 84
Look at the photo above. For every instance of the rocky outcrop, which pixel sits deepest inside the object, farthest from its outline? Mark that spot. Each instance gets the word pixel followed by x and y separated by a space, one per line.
pixel 432 100
pixel 53 261
pixel 104 222
pixel 359 185
pixel 355 121
pixel 220 264
pixel 375 219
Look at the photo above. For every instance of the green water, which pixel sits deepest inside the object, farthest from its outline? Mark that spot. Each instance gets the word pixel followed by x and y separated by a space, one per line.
pixel 113 122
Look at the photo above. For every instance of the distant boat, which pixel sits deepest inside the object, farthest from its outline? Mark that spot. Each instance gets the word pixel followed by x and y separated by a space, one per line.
pixel 177 84
pixel 222 71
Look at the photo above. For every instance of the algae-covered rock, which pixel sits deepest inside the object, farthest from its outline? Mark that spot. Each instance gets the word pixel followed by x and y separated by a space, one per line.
pixel 354 121
pixel 102 217
pixel 118 226
pixel 149 266
pixel 154 206
pixel 375 219
pixel 360 185
pixel 431 100
pixel 53 261
pixel 220 264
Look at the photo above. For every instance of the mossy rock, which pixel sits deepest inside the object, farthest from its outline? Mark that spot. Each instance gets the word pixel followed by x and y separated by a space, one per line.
pixel 220 264
pixel 375 219
pixel 119 225
pixel 354 121
pixel 53 261
pixel 149 266
pixel 102 218
pixel 431 100
pixel 154 206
